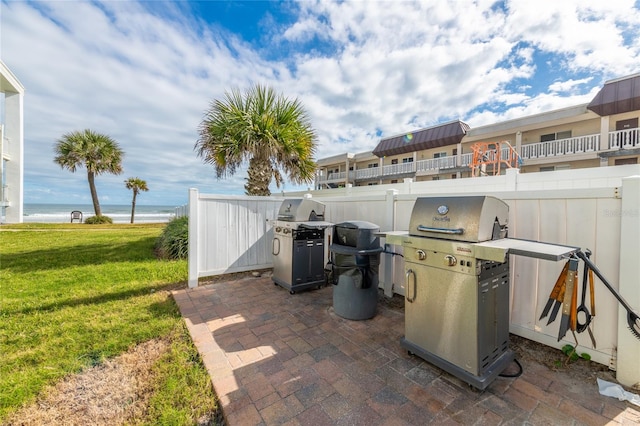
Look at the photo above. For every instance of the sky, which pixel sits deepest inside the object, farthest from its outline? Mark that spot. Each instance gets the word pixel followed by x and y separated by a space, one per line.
pixel 145 73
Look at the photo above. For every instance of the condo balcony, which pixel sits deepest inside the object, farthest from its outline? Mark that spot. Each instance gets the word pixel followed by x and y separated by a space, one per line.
pixel 565 150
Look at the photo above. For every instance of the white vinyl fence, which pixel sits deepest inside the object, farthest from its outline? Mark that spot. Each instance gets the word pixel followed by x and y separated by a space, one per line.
pixel 596 208
pixel 229 234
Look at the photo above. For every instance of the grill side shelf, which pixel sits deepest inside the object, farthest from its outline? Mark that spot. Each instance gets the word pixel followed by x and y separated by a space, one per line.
pixel 528 248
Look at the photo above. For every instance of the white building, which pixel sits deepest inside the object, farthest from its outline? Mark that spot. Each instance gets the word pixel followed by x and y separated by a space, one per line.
pixel 11 149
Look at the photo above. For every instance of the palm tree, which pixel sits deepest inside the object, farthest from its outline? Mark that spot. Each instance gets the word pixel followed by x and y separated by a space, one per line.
pixel 268 130
pixel 97 152
pixel 136 185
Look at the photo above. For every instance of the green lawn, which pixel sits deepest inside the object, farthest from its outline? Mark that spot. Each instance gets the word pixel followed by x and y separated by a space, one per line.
pixel 73 295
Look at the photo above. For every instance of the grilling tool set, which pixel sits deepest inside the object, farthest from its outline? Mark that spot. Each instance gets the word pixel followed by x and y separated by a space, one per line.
pixel 565 294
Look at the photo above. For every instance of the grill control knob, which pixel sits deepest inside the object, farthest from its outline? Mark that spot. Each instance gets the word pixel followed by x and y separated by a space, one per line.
pixel 278 229
pixel 421 255
pixel 450 260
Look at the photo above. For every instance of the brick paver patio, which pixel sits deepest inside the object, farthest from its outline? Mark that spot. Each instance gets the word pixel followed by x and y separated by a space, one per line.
pixel 276 358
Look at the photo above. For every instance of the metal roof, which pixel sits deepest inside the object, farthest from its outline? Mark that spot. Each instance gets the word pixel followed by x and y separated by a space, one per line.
pixel 432 137
pixel 617 96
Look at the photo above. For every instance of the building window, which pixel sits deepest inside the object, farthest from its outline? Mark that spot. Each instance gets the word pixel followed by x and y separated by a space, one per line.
pixel 407 160
pixel 372 183
pixel 623 161
pixel 454 176
pixel 394 161
pixel 631 123
pixel 439 154
pixel 435 178
pixel 394 181
pixel 555 168
pixel 372 165
pixel 566 134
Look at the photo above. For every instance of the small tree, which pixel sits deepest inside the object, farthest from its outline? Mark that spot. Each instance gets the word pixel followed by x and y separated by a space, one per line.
pixel 136 185
pixel 269 131
pixel 97 152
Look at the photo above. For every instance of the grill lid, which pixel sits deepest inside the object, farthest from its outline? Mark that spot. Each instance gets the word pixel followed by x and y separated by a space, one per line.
pixel 301 210
pixel 460 218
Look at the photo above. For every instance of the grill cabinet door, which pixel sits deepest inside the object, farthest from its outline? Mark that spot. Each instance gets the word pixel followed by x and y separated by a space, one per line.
pixel 308 261
pixel 459 316
pixel 443 318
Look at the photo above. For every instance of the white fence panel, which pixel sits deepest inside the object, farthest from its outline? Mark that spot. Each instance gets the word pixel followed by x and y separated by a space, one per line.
pixel 568 221
pixel 367 208
pixel 229 234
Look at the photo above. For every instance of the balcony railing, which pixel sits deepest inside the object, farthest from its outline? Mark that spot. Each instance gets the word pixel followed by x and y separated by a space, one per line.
pixel 368 173
pixel 624 139
pixel 436 164
pixel 465 159
pixel 336 176
pixel 620 139
pixel 576 145
pixel 398 169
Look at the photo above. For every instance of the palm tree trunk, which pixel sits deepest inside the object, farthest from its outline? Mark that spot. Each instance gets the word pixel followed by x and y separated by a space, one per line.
pixel 259 176
pixel 133 204
pixel 94 194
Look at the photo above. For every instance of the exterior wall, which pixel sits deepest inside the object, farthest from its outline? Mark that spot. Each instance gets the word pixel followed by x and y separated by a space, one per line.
pixel 438 176
pixel 12 164
pixel 509 136
pixel 578 128
pixel 398 158
pixel 430 153
pixel 559 163
pixel 611 161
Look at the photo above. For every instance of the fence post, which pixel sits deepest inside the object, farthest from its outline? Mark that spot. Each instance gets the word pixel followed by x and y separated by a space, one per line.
pixel 387 266
pixel 390 211
pixel 512 179
pixel 628 367
pixel 193 238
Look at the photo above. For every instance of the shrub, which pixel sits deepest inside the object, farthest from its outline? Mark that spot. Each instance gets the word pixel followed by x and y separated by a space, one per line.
pixel 173 243
pixel 97 220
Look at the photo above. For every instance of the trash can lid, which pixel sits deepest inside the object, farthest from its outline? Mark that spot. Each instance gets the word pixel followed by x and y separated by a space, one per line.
pixel 357 224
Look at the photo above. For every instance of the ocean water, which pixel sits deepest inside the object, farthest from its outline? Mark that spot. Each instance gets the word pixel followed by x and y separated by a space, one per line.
pixel 60 213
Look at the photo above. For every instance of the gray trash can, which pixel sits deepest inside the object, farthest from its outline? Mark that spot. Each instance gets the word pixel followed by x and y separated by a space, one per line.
pixel 355 258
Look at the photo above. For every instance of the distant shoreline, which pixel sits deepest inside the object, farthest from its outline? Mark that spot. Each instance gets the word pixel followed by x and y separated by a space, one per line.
pixel 61 213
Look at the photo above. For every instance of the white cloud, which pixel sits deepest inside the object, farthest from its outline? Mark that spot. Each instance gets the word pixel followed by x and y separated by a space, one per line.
pixel 144 73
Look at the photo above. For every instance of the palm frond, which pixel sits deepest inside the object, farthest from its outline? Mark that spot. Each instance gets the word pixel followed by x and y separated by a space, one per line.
pixel 261 127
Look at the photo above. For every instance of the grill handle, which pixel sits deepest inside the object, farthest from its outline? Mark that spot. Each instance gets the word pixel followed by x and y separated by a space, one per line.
pixel 457 231
pixel 274 245
pixel 411 272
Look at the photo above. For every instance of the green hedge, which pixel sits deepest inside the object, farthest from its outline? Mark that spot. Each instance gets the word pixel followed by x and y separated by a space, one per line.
pixel 98 220
pixel 173 243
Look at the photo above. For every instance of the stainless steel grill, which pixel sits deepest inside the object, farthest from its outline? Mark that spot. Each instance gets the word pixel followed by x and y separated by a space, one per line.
pixel 471 219
pixel 299 245
pixel 457 289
